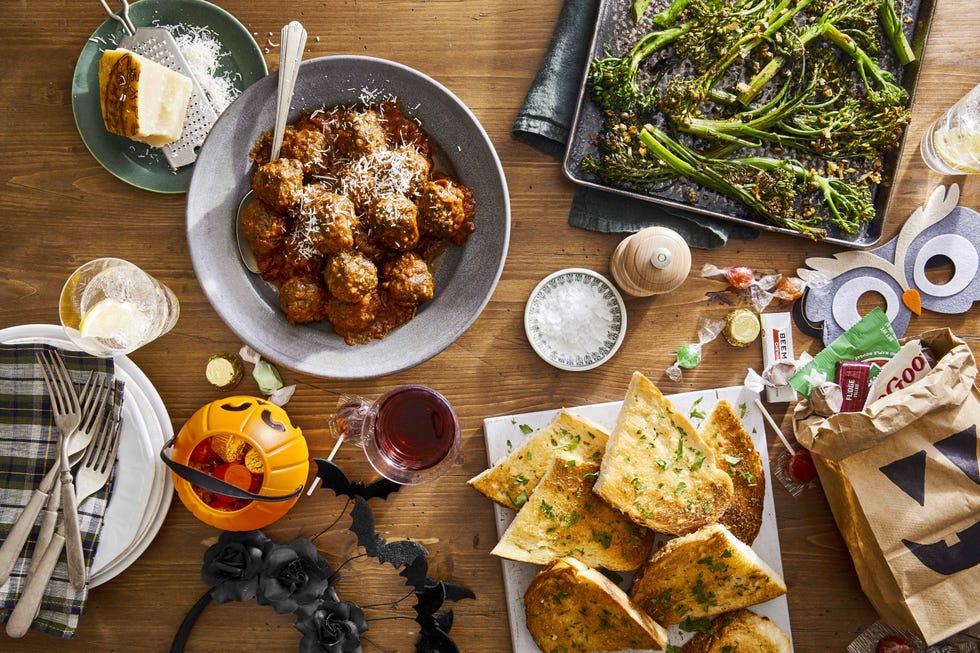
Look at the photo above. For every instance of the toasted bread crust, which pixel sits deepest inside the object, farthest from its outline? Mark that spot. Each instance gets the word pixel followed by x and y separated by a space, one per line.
pixel 657 469
pixel 736 454
pixel 512 480
pixel 571 607
pixel 740 631
pixel 563 517
pixel 702 574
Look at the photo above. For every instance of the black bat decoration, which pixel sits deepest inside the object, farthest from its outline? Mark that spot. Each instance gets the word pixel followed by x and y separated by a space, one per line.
pixel 333 477
pixel 400 554
pixel 430 595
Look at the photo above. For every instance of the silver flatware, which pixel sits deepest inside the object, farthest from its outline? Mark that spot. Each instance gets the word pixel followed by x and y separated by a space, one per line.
pixel 12 545
pixel 96 467
pixel 96 400
pixel 292 43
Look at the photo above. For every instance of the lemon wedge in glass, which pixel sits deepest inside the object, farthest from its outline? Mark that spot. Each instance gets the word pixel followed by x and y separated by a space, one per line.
pixel 113 320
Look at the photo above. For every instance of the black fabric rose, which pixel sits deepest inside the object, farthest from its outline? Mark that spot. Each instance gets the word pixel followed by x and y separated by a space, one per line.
pixel 232 566
pixel 293 577
pixel 334 627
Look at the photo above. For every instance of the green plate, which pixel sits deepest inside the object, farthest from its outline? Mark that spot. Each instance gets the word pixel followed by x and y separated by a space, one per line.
pixel 135 163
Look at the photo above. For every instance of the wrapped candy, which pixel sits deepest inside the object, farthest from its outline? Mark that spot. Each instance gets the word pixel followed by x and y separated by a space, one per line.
pixel 267 377
pixel 689 355
pixel 785 289
pixel 881 637
pixel 777 375
pixel 224 371
pixel 741 277
pixel 826 399
pixel 741 327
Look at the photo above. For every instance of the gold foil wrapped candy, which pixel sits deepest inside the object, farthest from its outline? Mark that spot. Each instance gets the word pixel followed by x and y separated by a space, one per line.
pixel 225 371
pixel 253 461
pixel 229 447
pixel 741 327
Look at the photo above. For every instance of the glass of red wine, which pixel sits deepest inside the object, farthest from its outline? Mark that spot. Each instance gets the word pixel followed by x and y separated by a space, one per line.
pixel 410 434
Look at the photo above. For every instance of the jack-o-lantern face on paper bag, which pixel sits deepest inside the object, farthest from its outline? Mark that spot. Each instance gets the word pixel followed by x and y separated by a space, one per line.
pixel 903 481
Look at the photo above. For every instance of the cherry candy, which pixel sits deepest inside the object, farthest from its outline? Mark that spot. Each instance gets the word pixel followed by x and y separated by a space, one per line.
pixel 800 466
pixel 740 277
pixel 893 644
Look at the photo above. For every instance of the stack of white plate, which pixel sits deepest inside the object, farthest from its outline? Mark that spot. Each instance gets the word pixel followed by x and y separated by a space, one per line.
pixel 143 489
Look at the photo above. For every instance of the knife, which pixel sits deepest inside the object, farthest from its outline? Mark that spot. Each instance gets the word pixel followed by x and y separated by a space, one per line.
pixel 10 550
pixel 29 602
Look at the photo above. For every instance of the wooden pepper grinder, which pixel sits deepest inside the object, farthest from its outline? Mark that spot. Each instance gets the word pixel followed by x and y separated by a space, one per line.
pixel 653 261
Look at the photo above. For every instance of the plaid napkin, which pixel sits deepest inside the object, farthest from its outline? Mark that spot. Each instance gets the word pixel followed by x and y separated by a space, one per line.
pixel 28 449
pixel 544 122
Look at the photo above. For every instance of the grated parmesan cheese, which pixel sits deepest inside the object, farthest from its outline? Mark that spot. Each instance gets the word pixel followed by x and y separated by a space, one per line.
pixel 204 52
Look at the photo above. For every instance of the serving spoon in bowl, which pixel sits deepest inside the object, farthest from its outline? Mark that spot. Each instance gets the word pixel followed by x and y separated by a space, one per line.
pixel 293 42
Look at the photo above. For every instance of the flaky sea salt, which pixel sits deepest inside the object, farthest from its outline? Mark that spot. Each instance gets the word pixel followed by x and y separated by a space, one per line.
pixel 574 318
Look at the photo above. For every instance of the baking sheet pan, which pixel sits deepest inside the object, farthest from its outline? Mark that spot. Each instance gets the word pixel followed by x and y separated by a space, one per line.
pixel 616 31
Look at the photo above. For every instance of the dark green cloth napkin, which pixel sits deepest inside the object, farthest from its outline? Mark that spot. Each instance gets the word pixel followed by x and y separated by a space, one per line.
pixel 544 122
pixel 28 448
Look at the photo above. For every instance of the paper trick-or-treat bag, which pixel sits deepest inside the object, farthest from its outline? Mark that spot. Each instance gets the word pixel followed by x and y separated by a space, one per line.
pixel 903 481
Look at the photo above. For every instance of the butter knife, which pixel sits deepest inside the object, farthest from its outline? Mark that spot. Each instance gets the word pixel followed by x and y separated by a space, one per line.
pixel 29 603
pixel 10 550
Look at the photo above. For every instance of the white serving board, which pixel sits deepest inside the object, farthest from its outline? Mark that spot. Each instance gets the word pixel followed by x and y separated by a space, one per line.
pixel 504 434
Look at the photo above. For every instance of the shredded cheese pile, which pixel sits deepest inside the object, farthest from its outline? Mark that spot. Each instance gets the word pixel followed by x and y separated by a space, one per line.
pixel 203 52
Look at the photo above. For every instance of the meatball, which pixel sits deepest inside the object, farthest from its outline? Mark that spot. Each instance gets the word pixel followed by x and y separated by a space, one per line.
pixel 443 211
pixel 263 228
pixel 350 276
pixel 306 146
pixel 407 279
pixel 303 300
pixel 392 221
pixel 293 259
pixel 279 184
pixel 363 132
pixel 334 219
pixel 412 167
pixel 350 320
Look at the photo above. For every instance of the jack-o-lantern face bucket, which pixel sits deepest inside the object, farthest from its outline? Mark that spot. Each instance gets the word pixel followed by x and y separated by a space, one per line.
pixel 239 463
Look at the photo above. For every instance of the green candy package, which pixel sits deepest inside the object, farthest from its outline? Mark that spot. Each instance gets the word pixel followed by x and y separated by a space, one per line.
pixel 872 339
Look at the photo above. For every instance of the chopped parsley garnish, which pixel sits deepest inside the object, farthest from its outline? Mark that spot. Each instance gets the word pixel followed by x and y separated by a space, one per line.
pixel 603 538
pixel 698 460
pixel 696 413
pixel 520 499
pixel 679 490
pixel 525 429
pixel 702 625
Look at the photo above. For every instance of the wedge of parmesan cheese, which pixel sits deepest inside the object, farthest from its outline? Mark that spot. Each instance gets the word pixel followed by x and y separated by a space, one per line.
pixel 142 99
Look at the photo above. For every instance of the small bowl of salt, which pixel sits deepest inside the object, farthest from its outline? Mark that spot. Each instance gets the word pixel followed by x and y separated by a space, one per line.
pixel 575 319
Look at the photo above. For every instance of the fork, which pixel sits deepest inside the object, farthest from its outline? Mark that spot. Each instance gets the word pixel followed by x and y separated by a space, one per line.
pixel 15 540
pixel 67 415
pixel 96 467
pixel 95 410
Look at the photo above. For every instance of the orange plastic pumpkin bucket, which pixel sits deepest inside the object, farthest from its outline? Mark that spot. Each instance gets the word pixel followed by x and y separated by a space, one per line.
pixel 238 463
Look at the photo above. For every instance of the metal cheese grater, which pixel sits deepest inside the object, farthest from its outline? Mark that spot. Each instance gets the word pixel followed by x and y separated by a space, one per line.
pixel 157 44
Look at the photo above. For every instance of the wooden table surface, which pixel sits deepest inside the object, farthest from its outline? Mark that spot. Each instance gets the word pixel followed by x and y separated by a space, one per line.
pixel 60 208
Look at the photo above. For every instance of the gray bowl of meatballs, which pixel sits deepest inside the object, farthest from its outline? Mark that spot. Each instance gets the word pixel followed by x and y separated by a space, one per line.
pixel 380 232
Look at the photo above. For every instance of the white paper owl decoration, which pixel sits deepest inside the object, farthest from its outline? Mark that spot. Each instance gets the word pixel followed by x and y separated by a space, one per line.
pixel 897 270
